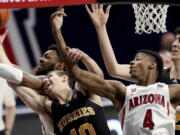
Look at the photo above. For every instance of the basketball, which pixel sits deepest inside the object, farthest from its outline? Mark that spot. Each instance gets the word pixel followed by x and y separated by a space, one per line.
pixel 4 17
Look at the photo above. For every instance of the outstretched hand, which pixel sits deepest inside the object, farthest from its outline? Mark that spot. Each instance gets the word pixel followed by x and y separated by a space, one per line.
pixel 3 36
pixel 57 19
pixel 97 14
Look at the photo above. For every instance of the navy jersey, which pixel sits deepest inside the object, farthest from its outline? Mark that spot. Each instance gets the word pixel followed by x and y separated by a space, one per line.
pixel 80 117
pixel 165 77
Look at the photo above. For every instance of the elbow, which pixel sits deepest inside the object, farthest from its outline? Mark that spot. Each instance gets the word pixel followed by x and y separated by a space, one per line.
pixel 112 72
pixel 111 69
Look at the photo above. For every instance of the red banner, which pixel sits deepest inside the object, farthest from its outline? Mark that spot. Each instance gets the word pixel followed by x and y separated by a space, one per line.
pixel 41 3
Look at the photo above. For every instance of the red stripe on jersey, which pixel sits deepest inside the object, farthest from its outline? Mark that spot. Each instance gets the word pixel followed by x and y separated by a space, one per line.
pixel 168 110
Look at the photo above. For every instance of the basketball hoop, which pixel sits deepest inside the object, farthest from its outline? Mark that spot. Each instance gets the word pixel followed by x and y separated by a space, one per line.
pixel 150 18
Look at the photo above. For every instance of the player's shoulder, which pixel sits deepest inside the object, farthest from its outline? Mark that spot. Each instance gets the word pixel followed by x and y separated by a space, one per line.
pixel 161 84
pixel 174 86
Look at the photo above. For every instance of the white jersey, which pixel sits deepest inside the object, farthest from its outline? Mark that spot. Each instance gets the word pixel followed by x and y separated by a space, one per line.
pixel 47 125
pixel 147 111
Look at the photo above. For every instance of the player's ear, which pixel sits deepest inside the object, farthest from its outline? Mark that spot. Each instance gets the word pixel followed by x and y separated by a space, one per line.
pixel 152 65
pixel 59 66
pixel 65 77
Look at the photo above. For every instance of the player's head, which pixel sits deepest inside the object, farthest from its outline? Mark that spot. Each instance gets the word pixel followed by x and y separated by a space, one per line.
pixel 49 61
pixel 56 82
pixel 146 63
pixel 166 56
pixel 176 46
pixel 166 40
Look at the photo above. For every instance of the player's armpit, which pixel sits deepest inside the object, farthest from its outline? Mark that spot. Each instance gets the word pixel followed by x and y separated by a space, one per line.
pixel 47 104
pixel 30 97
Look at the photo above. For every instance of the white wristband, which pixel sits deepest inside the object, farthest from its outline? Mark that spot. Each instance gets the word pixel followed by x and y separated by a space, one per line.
pixel 11 73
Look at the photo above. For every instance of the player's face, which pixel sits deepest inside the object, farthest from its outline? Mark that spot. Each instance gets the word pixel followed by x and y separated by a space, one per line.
pixel 47 62
pixel 176 48
pixel 139 67
pixel 166 56
pixel 54 84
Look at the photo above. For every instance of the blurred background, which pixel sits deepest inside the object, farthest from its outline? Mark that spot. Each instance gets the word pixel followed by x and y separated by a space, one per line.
pixel 30 35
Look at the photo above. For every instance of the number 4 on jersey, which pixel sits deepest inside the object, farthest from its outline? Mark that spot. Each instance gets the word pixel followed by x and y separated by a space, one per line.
pixel 148 123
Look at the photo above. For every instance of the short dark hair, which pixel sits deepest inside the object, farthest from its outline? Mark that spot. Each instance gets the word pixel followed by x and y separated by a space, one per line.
pixel 61 73
pixel 157 59
pixel 163 51
pixel 177 31
pixel 54 47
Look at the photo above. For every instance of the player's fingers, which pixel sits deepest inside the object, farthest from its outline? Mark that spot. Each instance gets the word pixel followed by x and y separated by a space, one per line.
pixel 101 6
pixel 58 13
pixel 74 57
pixel 96 6
pixel 69 53
pixel 87 9
pixel 61 13
pixel 60 8
pixel 93 7
pixel 77 58
pixel 108 9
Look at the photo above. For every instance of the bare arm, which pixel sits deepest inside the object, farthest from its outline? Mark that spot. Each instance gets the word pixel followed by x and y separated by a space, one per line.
pixel 31 98
pixel 113 90
pixel 99 19
pixel 92 66
pixel 76 55
pixel 10 117
pixel 28 79
pixel 109 89
pixel 57 22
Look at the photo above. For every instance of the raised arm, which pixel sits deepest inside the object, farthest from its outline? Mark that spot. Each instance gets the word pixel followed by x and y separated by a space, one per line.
pixel 99 19
pixel 14 73
pixel 57 21
pixel 109 89
pixel 75 54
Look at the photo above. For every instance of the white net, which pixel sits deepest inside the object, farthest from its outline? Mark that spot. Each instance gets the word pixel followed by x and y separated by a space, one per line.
pixel 150 18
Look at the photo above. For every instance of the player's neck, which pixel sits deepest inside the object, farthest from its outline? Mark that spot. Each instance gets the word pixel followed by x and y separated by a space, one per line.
pixel 150 79
pixel 176 61
pixel 65 96
pixel 175 71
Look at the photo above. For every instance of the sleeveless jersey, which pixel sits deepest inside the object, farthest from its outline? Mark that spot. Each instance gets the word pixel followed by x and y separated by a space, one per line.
pixel 147 111
pixel 80 117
